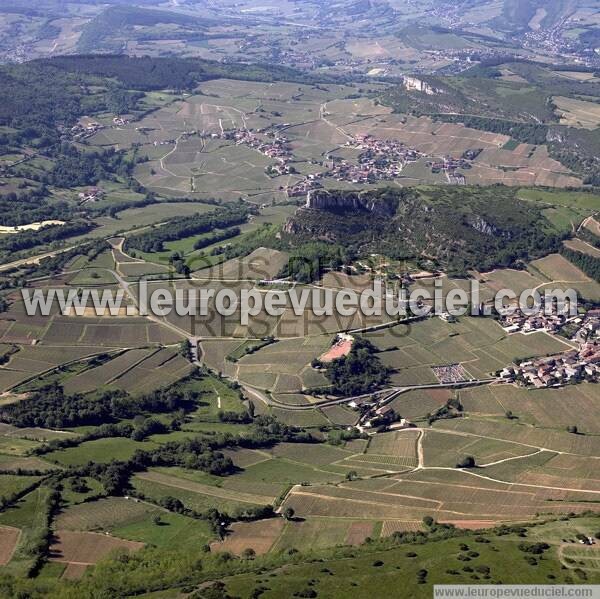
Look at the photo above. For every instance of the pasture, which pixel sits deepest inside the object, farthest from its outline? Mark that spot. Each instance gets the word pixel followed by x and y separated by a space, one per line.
pixel 99 451
pixel 29 517
pixel 374 573
pixel 172 531
pixel 12 484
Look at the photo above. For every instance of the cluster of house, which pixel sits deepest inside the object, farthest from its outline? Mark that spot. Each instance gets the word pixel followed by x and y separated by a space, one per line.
pixel 273 145
pixel 569 367
pixel 276 54
pixel 450 166
pixel 518 322
pixel 375 414
pixel 554 41
pixel 379 160
pixel 587 327
pixel 119 121
pixel 83 130
pixel 276 146
pixel 93 194
pixel 301 188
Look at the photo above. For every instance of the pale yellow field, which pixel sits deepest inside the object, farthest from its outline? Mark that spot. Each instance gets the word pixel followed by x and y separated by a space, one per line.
pixel 577 113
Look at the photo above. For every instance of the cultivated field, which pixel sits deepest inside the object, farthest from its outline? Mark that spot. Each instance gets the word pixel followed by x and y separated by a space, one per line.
pixel 87 548
pixel 9 537
pixel 546 409
pixel 447 495
pixel 186 156
pixel 577 113
pixel 104 514
pixel 323 532
pixel 259 536
pixel 479 344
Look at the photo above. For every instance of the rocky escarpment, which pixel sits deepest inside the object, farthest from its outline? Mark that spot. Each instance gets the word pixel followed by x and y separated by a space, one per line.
pixel 339 201
pixel 456 229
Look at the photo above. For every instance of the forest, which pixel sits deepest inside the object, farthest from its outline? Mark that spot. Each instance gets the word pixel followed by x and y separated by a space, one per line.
pixel 359 372
pixel 590 265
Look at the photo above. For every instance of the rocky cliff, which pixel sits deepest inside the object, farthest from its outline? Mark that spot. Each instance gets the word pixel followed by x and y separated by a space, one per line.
pixel 340 202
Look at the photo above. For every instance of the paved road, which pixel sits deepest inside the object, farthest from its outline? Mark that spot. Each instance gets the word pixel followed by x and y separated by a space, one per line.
pixel 393 393
pixel 34 259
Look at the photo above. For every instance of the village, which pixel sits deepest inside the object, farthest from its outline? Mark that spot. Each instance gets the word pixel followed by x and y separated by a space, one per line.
pixel 576 365
pixel 519 322
pixel 380 160
pixel 570 367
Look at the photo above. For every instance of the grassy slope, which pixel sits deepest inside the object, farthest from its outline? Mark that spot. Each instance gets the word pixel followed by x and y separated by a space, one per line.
pixel 365 575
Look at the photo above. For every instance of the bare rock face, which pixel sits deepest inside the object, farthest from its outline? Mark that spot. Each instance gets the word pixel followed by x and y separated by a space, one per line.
pixel 479 224
pixel 482 226
pixel 321 199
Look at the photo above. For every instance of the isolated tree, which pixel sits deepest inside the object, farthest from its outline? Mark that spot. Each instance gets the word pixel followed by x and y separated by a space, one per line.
pixel 572 429
pixel 466 462
pixel 156 519
pixel 249 553
pixel 288 514
pixel 428 521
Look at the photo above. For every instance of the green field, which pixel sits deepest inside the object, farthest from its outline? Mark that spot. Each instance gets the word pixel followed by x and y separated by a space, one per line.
pixel 171 532
pixel 99 451
pixel 11 484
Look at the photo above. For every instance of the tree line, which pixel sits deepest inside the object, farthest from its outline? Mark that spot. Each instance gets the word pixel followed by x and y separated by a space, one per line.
pixel 50 407
pixel 589 264
pixel 154 239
